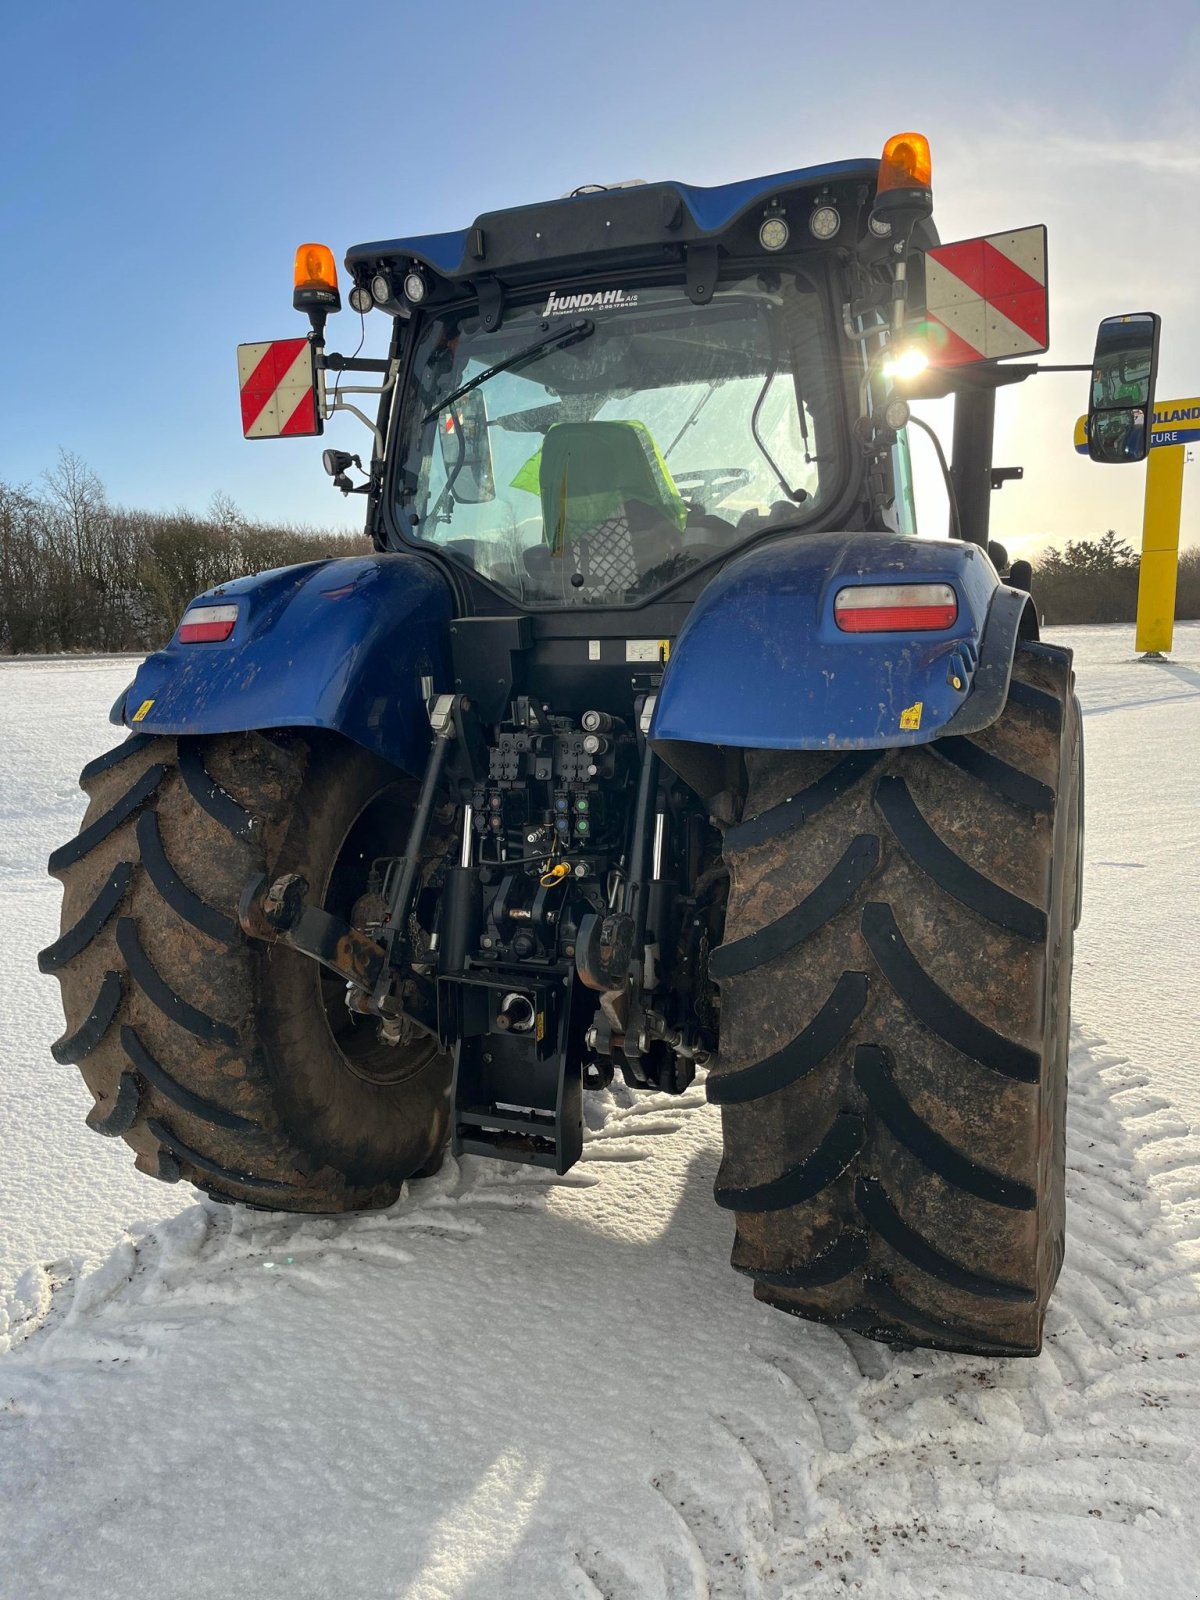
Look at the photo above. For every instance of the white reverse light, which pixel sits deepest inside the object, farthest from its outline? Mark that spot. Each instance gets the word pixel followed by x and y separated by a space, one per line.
pixel 824 222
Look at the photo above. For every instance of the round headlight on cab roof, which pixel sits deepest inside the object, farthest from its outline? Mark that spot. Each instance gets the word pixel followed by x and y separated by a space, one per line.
pixel 381 288
pixel 415 287
pixel 361 299
pixel 774 232
pixel 824 222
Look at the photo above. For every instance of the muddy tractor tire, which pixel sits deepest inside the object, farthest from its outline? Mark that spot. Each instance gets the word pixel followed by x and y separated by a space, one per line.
pixel 895 986
pixel 218 1059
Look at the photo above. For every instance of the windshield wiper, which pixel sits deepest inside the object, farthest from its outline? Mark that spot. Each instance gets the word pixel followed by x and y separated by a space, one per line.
pixel 566 333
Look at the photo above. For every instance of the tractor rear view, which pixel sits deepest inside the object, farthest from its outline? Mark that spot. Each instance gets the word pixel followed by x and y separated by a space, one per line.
pixel 649 739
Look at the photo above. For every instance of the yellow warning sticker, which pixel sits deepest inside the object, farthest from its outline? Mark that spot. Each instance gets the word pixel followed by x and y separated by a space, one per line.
pixel 142 710
pixel 910 717
pixel 540 1030
pixel 664 649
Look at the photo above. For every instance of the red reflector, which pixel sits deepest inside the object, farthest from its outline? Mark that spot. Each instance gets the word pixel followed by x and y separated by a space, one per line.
pixel 895 608
pixel 207 624
pixel 204 632
pixel 894 619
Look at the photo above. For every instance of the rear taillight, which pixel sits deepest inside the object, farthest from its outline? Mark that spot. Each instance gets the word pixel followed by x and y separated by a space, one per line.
pixel 207 624
pixel 895 607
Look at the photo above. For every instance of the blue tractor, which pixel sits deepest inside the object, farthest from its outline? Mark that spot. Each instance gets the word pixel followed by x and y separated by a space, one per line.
pixel 648 739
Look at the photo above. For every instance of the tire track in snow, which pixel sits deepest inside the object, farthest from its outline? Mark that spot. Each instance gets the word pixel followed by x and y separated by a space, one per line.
pixel 177 1259
pixel 843 1466
pixel 900 1474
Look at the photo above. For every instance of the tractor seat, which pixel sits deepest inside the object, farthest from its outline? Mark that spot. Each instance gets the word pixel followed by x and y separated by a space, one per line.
pixel 610 509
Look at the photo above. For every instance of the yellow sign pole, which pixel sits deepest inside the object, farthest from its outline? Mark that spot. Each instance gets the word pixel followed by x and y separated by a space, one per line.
pixel 1176 423
pixel 1160 549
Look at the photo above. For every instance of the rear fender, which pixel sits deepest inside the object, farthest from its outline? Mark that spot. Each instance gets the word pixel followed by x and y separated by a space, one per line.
pixel 340 644
pixel 761 663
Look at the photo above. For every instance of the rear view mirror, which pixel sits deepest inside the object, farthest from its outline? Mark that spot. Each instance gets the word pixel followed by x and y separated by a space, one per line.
pixel 467 450
pixel 1121 403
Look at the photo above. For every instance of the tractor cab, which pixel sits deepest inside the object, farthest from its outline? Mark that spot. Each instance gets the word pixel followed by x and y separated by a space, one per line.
pixel 593 403
pixel 647 440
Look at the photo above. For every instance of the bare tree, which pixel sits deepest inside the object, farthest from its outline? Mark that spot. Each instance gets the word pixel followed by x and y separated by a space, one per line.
pixel 78 573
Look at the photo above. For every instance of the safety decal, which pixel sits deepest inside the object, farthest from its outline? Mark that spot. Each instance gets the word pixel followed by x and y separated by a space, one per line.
pixel 656 650
pixel 142 710
pixel 986 298
pixel 910 717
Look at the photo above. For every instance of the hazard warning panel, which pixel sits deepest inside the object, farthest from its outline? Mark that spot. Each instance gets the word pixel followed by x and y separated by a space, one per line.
pixel 278 380
pixel 988 298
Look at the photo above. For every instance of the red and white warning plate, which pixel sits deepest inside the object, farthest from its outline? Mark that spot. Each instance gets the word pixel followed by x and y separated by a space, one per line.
pixel 278 381
pixel 988 297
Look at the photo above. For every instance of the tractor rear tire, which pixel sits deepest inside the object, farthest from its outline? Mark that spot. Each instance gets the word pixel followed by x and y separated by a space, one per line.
pixel 230 1063
pixel 895 985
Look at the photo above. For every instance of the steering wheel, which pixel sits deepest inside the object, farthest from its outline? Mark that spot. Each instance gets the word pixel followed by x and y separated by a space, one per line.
pixel 720 482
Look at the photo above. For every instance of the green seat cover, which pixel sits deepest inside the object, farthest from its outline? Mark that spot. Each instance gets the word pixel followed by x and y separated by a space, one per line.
pixel 586 472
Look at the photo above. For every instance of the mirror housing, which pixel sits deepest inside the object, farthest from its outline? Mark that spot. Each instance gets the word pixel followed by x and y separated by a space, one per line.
pixel 467 450
pixel 1121 399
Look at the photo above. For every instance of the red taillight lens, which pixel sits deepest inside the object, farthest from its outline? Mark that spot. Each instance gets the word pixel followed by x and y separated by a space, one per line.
pixel 895 608
pixel 207 624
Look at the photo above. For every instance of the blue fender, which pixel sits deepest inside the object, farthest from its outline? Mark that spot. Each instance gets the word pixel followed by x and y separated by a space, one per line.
pixel 340 644
pixel 761 663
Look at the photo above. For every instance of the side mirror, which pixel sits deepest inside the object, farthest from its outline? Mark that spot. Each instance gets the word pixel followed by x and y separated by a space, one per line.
pixel 467 450
pixel 1121 403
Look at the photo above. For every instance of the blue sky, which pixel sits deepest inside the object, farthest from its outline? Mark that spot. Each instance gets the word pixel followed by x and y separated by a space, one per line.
pixel 164 161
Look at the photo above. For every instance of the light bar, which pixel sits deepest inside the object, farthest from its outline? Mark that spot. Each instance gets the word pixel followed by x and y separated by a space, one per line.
pixel 207 624
pixel 895 608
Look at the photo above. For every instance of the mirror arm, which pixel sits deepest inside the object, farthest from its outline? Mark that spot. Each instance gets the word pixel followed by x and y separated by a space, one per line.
pixel 338 363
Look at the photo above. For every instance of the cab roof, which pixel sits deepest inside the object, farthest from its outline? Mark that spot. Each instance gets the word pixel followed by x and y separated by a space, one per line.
pixel 632 222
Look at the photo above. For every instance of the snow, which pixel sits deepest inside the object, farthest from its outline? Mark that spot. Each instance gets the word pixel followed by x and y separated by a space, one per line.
pixel 513 1385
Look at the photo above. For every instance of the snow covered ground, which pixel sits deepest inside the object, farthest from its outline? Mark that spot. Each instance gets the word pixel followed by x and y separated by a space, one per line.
pixel 512 1385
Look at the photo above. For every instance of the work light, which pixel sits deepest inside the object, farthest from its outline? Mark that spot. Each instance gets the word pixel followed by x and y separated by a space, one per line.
pixel 773 234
